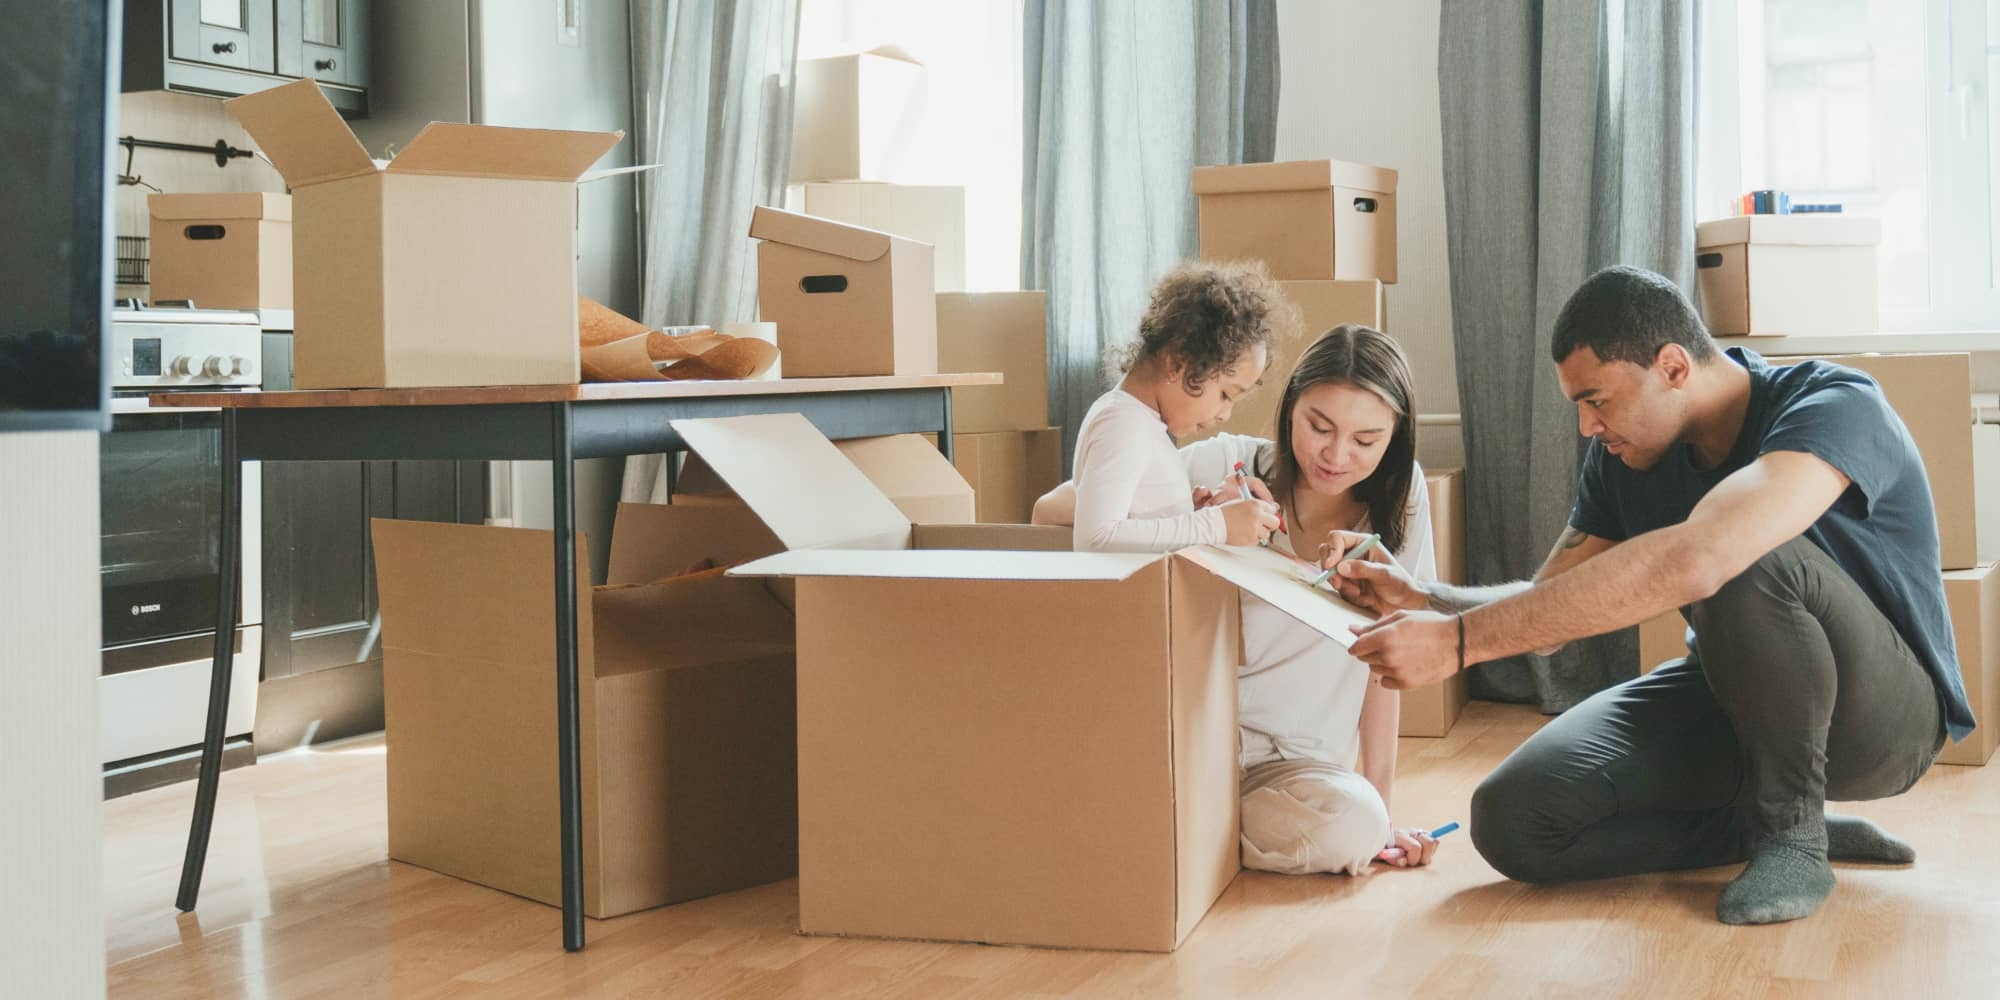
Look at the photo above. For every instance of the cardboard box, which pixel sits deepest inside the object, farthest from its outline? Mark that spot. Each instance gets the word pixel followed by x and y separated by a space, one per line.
pixel 1433 710
pixel 1771 275
pixel 222 251
pixel 1661 639
pixel 1306 219
pixel 1003 746
pixel 453 265
pixel 1933 395
pixel 858 116
pixel 1005 332
pixel 688 721
pixel 847 300
pixel 1009 471
pixel 1973 598
pixel 926 214
pixel 1322 305
pixel 906 468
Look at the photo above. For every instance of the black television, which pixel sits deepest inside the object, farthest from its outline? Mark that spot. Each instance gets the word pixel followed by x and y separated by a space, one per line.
pixel 57 84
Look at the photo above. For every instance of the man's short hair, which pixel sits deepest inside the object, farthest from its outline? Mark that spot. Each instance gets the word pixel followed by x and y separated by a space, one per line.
pixel 1627 314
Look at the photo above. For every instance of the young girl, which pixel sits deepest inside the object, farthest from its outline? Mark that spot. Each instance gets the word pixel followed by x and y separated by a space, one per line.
pixel 1318 734
pixel 1203 342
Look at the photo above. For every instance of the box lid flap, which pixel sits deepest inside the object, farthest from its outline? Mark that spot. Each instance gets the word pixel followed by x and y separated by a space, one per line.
pixel 1791 230
pixel 305 138
pixel 895 52
pixel 952 564
pixel 533 154
pixel 1274 577
pixel 819 235
pixel 806 491
pixel 244 205
pixel 905 467
pixel 1295 175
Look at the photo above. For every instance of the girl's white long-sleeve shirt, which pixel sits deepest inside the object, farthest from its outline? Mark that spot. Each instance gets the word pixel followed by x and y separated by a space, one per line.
pixel 1132 488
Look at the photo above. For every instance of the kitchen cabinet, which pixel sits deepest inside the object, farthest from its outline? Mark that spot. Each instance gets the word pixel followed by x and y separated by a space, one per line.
pixel 322 628
pixel 225 48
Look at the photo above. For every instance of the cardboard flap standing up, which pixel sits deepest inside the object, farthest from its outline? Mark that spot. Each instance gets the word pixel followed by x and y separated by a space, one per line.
pixel 305 138
pixel 818 235
pixel 806 491
pixel 951 564
pixel 486 151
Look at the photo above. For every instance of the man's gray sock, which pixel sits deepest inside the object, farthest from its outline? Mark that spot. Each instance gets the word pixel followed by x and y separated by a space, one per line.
pixel 1787 878
pixel 1851 838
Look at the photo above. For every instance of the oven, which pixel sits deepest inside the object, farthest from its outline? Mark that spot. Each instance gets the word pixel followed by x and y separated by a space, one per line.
pixel 160 496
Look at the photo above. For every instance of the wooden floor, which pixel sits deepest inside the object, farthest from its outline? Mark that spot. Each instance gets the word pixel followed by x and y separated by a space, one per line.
pixel 300 902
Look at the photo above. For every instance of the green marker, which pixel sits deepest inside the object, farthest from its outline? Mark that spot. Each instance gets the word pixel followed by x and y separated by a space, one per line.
pixel 1355 553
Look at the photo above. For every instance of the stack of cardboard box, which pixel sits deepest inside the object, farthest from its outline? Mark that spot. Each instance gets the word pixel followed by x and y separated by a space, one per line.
pixel 1932 393
pixel 1004 445
pixel 1776 275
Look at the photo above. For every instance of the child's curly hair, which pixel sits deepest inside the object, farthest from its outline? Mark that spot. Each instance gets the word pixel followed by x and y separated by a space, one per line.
pixel 1205 315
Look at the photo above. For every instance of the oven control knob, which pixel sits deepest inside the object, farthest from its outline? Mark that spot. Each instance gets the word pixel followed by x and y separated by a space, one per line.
pixel 239 367
pixel 212 368
pixel 182 365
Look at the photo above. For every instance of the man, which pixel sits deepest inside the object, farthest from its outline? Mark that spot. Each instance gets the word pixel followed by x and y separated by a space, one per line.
pixel 1786 512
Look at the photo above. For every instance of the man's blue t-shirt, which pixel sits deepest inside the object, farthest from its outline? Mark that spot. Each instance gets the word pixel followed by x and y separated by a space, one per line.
pixel 1882 530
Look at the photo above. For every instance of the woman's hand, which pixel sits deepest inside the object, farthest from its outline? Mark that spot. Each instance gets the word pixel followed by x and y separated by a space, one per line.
pixel 1413 847
pixel 1375 581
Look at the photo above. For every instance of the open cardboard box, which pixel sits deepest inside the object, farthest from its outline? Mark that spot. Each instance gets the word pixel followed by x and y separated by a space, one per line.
pixel 453 265
pixel 1019 747
pixel 907 468
pixel 686 704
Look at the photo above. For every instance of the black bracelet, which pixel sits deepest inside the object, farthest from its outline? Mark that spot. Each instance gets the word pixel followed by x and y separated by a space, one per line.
pixel 1461 640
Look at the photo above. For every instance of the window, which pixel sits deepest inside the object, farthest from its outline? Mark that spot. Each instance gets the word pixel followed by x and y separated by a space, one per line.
pixel 970 134
pixel 1880 105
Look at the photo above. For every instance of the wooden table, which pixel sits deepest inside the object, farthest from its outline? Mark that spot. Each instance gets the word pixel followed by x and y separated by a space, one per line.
pixel 553 423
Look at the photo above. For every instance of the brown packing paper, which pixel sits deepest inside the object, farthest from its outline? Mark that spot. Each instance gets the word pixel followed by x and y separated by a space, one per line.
pixel 616 348
pixel 741 358
pixel 598 324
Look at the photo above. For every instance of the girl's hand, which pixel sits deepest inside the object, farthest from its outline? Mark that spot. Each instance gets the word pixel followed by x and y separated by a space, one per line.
pixel 1232 486
pixel 1409 848
pixel 1205 497
pixel 1249 521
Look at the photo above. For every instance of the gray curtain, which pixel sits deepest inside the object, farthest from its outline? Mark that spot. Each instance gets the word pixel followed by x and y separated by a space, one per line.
pixel 1568 146
pixel 713 103
pixel 1121 100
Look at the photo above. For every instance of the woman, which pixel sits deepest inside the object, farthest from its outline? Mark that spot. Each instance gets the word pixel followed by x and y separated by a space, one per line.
pixel 1318 734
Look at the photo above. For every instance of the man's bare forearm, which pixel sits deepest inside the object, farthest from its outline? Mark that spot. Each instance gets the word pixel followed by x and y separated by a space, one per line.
pixel 1449 599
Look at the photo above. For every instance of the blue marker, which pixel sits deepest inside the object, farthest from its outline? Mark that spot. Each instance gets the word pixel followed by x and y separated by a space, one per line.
pixel 1396 853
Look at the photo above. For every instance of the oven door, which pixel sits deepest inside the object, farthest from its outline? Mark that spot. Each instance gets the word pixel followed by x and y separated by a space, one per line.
pixel 160 493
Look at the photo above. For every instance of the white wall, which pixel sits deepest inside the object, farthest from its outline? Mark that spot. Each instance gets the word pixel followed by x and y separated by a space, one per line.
pixel 1359 82
pixel 51 844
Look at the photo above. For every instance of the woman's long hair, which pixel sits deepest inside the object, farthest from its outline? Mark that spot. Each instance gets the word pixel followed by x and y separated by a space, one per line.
pixel 1355 355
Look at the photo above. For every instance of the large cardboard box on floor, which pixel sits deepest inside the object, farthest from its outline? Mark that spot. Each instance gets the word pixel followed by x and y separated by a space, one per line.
pixel 1005 332
pixel 1306 219
pixel 221 251
pixel 1321 305
pixel 847 300
pixel 1933 395
pixel 906 468
pixel 1770 275
pixel 1973 598
pixel 1009 470
pixel 932 214
pixel 453 265
pixel 1012 747
pixel 686 702
pixel 1433 710
pixel 857 116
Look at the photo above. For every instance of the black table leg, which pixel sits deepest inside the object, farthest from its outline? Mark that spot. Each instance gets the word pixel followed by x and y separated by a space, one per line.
pixel 944 436
pixel 228 604
pixel 568 757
